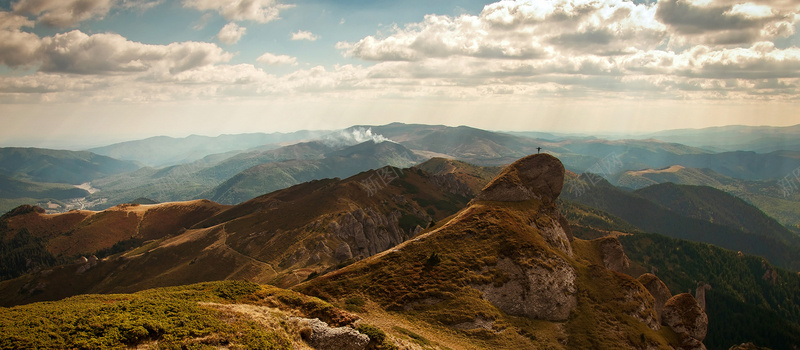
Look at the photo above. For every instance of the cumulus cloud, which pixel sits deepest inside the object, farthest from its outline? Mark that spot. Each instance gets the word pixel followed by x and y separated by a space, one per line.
pixel 77 52
pixel 520 30
pixel 261 11
pixel 304 35
pixel 717 22
pixel 673 49
pixel 141 5
pixel 63 13
pixel 16 47
pixel 271 59
pixel 231 33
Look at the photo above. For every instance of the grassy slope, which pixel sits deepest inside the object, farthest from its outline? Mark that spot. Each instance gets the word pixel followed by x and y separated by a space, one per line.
pixel 61 238
pixel 231 314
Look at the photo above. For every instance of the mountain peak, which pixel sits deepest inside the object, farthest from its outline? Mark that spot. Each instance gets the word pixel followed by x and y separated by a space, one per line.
pixel 538 176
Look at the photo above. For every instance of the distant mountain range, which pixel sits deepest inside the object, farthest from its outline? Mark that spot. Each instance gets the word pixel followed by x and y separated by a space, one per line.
pixel 162 151
pixel 70 167
pixel 761 139
pixel 700 214
pixel 777 201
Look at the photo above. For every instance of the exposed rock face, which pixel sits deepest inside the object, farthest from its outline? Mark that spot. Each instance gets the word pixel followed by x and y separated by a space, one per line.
pixel 368 232
pixel 324 337
pixel 342 252
pixel 452 184
pixel 684 315
pixel 700 294
pixel 657 289
pixel 545 291
pixel 554 233
pixel 613 254
pixel 646 312
pixel 539 176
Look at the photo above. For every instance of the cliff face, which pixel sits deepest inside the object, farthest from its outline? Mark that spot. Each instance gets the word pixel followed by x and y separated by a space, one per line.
pixel 509 256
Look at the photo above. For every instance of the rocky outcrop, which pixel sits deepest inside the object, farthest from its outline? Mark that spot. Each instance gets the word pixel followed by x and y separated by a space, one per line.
pixel 451 183
pixel 320 336
pixel 613 254
pixel 684 315
pixel 545 291
pixel 657 289
pixel 700 294
pixel 553 232
pixel 645 311
pixel 539 176
pixel 343 252
pixel 369 232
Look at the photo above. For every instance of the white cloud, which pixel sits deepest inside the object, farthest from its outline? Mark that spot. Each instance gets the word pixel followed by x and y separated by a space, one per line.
pixel 141 5
pixel 304 35
pixel 523 50
pixel 520 30
pixel 274 60
pixel 231 33
pixel 63 13
pixel 104 53
pixel 17 48
pixel 721 23
pixel 261 11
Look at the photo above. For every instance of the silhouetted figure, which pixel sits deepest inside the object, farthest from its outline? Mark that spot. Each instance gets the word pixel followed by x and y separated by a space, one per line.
pixel 538 150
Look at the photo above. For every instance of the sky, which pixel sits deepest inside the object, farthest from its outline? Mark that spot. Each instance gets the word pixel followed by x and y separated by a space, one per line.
pixel 83 73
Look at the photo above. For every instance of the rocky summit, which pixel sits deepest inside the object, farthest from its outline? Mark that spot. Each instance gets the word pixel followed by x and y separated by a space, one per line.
pixel 538 176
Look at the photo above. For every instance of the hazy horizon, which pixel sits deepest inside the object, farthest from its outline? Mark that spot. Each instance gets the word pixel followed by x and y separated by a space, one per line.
pixel 83 74
pixel 82 144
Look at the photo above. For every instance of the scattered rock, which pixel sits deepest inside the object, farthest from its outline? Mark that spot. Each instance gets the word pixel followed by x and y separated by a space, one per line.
pixel 613 254
pixel 81 260
pixel 320 336
pixel 684 315
pixel 477 323
pixel 657 289
pixel 343 252
pixel 545 291
pixel 539 176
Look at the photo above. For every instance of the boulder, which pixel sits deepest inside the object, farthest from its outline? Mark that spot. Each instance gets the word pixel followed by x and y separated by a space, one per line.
pixel 684 315
pixel 343 252
pixel 613 254
pixel 320 336
pixel 657 289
